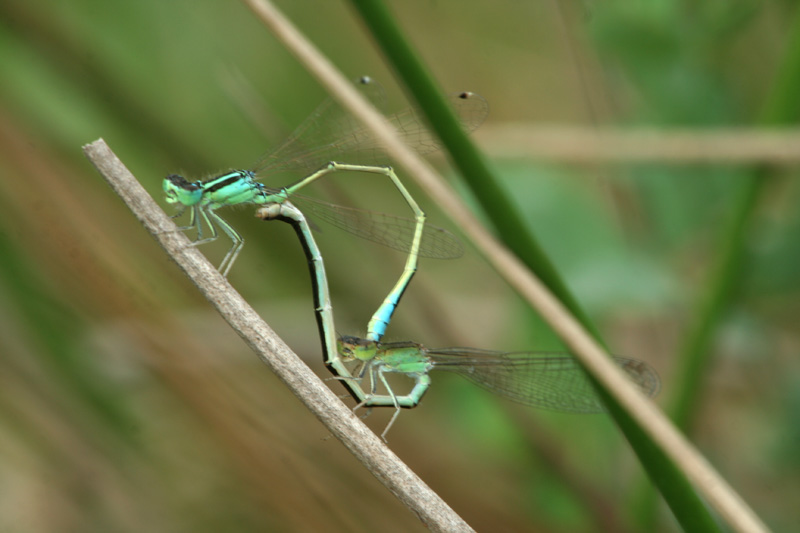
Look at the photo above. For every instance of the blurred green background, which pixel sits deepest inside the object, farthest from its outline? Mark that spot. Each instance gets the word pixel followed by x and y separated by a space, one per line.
pixel 126 402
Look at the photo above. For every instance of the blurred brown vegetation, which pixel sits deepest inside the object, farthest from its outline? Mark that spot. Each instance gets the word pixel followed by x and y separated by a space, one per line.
pixel 126 404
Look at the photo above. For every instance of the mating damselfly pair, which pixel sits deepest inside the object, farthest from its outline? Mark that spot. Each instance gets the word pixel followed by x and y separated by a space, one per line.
pixel 546 380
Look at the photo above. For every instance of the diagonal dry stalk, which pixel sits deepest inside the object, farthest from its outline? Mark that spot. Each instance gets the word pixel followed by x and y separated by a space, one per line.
pixel 309 388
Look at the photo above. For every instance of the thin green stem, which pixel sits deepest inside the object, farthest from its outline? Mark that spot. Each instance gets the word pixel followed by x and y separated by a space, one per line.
pixel 673 484
pixel 696 354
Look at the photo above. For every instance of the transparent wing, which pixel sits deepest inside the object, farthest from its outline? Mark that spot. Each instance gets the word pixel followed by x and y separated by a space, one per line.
pixel 389 230
pixel 330 133
pixel 552 381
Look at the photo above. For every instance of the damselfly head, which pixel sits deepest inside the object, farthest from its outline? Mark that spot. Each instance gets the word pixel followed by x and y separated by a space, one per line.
pixel 351 348
pixel 179 190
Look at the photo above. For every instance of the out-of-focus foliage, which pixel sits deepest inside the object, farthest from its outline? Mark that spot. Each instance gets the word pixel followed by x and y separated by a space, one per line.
pixel 127 405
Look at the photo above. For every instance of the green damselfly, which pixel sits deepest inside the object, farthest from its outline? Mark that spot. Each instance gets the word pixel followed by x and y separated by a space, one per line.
pixel 314 148
pixel 546 380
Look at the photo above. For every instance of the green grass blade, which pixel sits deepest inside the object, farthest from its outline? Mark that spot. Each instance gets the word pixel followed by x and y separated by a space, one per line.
pixel 673 484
